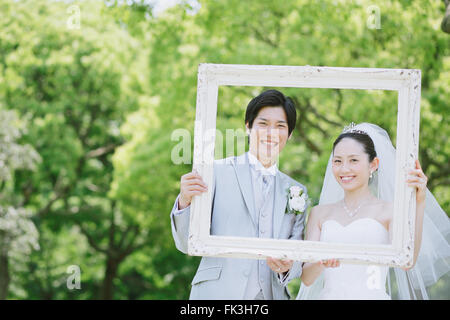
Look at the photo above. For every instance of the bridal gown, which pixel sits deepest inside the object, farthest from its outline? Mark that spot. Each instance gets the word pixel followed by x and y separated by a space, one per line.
pixel 355 281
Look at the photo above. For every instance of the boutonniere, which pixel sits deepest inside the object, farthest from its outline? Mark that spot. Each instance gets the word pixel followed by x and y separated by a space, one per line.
pixel 296 200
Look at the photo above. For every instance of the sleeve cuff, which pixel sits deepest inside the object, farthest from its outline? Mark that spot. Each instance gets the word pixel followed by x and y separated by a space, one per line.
pixel 283 277
pixel 294 272
pixel 176 210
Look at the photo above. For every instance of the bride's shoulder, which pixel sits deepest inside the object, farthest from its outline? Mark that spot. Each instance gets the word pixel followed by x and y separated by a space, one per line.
pixel 384 205
pixel 323 209
pixel 388 207
pixel 384 209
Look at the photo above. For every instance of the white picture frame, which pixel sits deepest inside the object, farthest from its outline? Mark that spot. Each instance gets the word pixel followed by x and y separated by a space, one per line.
pixel 407 82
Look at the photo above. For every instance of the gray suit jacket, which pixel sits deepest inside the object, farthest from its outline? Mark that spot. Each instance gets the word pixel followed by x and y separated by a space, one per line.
pixel 233 214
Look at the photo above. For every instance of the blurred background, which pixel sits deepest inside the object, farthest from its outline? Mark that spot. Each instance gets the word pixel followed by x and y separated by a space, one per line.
pixel 91 92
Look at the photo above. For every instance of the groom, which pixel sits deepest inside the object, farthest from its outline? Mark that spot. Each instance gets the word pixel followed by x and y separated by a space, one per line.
pixel 250 196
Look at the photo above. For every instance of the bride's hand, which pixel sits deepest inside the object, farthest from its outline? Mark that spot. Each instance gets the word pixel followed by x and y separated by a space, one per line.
pixel 331 263
pixel 418 180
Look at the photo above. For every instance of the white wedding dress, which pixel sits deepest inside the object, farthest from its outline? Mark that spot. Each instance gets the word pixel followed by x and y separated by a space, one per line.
pixel 351 281
pixel 355 281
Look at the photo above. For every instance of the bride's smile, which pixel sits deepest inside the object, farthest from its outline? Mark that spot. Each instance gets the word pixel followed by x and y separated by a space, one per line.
pixel 346 179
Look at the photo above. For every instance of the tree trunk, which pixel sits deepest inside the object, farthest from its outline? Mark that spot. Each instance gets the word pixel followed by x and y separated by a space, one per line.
pixel 4 275
pixel 110 274
pixel 445 25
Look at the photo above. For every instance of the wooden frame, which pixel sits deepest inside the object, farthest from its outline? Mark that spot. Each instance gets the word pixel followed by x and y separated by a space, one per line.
pixel 405 81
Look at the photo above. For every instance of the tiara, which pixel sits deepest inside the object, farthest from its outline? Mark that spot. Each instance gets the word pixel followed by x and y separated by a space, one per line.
pixel 350 129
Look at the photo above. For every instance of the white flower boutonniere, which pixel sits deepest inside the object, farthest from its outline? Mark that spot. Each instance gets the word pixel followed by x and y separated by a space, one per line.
pixel 296 200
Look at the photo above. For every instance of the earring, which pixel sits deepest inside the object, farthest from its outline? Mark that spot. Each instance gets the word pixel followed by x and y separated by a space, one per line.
pixel 371 176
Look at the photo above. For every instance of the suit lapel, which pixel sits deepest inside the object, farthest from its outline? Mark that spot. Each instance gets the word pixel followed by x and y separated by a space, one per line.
pixel 244 178
pixel 280 203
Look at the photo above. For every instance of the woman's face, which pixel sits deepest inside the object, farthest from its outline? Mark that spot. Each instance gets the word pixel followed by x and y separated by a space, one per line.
pixel 351 166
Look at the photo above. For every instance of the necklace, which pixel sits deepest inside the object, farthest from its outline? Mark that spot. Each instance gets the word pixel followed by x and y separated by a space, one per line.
pixel 351 213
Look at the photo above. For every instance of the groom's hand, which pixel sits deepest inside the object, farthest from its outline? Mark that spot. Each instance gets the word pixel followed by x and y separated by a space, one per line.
pixel 191 185
pixel 279 265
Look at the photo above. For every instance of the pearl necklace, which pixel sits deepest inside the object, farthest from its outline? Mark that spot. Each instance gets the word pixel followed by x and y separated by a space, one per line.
pixel 351 213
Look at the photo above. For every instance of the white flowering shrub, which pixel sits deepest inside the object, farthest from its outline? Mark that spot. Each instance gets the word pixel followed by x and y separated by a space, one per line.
pixel 18 234
pixel 13 155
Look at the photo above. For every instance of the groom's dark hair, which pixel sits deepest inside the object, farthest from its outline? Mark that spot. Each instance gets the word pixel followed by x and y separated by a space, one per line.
pixel 271 98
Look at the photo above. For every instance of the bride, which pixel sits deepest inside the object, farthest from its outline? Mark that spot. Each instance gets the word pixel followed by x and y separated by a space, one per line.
pixel 356 206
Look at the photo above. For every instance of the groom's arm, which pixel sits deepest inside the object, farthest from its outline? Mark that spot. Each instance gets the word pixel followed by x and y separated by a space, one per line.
pixel 191 184
pixel 180 226
pixel 180 217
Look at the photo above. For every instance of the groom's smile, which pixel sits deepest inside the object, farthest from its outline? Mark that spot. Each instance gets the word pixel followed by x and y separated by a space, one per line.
pixel 269 142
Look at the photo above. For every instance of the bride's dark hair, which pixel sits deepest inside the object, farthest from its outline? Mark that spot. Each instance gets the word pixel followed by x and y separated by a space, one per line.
pixel 362 138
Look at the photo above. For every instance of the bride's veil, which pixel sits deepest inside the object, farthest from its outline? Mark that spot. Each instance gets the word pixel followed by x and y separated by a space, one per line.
pixel 434 256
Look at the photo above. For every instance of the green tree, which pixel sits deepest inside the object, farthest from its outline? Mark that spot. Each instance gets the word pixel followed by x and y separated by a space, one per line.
pixel 75 73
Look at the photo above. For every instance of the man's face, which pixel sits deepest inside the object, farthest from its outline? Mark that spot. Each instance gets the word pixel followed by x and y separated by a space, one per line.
pixel 269 133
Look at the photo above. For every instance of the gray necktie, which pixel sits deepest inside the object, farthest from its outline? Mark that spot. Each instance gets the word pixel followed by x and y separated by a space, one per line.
pixel 266 179
pixel 266 183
